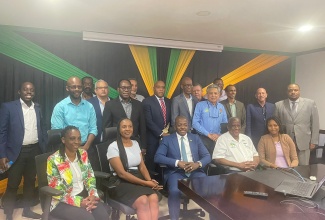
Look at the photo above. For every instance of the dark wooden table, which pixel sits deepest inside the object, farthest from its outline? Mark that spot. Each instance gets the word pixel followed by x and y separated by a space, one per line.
pixel 222 197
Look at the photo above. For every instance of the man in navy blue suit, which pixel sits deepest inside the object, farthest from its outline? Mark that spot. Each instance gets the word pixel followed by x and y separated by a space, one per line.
pixel 256 116
pixel 22 137
pixel 157 112
pixel 185 157
pixel 99 101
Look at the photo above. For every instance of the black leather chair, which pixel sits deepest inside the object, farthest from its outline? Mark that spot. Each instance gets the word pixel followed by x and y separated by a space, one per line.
pixel 54 140
pixel 109 135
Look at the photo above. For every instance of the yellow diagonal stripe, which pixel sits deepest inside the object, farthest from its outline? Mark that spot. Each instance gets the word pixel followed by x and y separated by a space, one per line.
pixel 142 59
pixel 251 68
pixel 184 59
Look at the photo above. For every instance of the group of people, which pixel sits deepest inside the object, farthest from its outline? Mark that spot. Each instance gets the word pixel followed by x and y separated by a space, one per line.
pixel 184 133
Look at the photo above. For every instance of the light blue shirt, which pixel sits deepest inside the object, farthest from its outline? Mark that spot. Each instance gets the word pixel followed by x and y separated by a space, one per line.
pixel 207 118
pixel 82 116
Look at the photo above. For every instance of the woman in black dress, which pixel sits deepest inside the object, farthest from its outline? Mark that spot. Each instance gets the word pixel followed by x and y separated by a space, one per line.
pixel 134 184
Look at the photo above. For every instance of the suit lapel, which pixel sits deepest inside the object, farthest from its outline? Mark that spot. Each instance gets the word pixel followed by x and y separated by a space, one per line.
pixel 190 141
pixel 121 109
pixel 300 106
pixel 20 113
pixel 38 116
pixel 157 103
pixel 184 103
pixel 286 104
pixel 176 146
pixel 228 108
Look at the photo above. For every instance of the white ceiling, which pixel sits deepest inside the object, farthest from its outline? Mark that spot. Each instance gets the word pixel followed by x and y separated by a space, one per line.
pixel 250 24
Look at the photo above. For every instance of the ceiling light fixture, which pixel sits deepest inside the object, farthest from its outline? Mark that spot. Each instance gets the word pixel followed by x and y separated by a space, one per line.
pixel 305 28
pixel 148 41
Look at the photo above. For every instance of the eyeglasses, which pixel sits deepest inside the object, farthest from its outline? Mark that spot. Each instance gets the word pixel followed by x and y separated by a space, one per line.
pixel 188 85
pixel 75 87
pixel 124 88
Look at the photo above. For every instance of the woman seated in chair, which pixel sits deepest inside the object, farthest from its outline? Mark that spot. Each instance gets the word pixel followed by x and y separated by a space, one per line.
pixel 69 170
pixel 135 187
pixel 276 149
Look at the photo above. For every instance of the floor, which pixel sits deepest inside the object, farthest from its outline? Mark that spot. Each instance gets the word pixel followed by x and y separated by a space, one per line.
pixel 163 210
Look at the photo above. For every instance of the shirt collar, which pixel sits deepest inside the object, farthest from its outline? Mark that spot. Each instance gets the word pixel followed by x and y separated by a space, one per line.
pixel 179 137
pixel 82 101
pixel 75 160
pixel 25 105
pixel 122 101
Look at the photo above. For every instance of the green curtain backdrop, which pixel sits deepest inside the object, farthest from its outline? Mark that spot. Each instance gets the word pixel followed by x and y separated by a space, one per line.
pixel 25 51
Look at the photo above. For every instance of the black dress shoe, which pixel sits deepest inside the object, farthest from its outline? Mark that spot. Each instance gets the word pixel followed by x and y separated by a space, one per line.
pixel 27 213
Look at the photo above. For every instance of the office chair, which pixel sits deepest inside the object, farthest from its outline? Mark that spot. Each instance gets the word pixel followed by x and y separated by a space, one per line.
pixel 54 140
pixel 47 192
pixel 109 134
pixel 185 213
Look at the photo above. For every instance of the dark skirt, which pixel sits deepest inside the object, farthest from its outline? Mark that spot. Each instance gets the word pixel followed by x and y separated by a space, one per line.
pixel 126 192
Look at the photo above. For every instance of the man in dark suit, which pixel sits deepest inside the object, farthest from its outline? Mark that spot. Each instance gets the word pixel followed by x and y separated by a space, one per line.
pixel 184 104
pixel 157 111
pixel 257 114
pixel 234 108
pixel 125 107
pixel 185 156
pixel 99 101
pixel 22 137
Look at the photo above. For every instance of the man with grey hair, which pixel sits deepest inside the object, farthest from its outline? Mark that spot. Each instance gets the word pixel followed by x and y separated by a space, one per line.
pixel 99 101
pixel 300 118
pixel 235 150
pixel 208 116
pixel 197 92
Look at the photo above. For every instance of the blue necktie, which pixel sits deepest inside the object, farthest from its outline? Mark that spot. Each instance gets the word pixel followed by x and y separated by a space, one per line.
pixel 184 155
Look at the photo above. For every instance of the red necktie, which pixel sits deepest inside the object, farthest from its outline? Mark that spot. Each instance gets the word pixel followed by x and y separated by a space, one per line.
pixel 163 109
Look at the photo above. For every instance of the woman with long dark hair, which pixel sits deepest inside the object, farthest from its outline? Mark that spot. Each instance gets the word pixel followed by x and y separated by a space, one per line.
pixel 276 149
pixel 134 185
pixel 69 170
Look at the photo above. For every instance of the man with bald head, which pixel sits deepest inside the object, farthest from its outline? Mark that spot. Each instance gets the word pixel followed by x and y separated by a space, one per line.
pixel 73 110
pixel 257 114
pixel 22 137
pixel 184 104
pixel 300 118
pixel 157 112
pixel 235 150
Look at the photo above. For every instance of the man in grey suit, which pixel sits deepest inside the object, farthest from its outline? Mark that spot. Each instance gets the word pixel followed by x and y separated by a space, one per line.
pixel 300 118
pixel 234 108
pixel 184 104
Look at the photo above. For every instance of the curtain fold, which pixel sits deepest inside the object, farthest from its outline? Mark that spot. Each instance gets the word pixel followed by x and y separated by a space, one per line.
pixel 251 68
pixel 17 47
pixel 146 60
pixel 176 72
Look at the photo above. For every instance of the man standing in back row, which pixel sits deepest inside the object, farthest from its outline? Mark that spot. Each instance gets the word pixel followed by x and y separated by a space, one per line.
pixel 300 118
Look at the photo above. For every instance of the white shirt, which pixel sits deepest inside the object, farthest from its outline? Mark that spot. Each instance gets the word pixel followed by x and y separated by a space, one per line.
pixel 187 148
pixel 30 123
pixel 189 104
pixel 78 185
pixel 223 96
pixel 236 151
pixel 139 97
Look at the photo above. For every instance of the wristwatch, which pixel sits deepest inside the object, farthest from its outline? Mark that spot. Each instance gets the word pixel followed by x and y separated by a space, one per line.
pixel 200 164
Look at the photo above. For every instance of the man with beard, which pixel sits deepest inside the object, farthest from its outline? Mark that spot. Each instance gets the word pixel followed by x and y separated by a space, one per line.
pixel 87 87
pixel 73 110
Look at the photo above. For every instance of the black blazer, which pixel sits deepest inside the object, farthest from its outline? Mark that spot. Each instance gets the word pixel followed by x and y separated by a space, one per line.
pixel 95 102
pixel 114 112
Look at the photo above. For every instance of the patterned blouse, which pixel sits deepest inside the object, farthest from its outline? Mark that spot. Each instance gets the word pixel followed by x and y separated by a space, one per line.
pixel 59 176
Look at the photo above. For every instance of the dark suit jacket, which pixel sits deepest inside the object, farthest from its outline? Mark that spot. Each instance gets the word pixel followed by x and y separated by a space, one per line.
pixel 114 112
pixel 169 151
pixel 180 107
pixel 95 102
pixel 12 129
pixel 240 113
pixel 255 123
pixel 155 119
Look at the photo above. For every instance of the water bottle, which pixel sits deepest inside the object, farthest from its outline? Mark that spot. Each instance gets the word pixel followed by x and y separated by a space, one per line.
pixel 8 165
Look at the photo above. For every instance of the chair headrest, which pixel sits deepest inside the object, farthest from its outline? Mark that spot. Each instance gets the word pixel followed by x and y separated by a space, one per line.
pixel 110 133
pixel 54 136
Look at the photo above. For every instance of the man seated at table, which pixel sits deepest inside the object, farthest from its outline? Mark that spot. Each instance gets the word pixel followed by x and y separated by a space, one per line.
pixel 185 156
pixel 235 150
